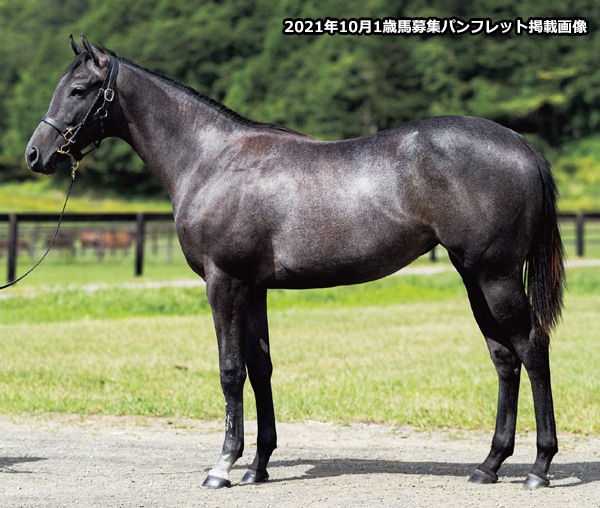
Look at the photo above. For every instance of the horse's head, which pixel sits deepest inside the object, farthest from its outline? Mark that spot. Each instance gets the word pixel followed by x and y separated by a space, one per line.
pixel 78 107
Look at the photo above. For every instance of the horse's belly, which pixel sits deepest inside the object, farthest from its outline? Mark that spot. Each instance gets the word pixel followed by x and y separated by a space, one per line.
pixel 342 256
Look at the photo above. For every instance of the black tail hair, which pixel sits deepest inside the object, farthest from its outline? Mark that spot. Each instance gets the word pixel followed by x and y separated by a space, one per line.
pixel 544 269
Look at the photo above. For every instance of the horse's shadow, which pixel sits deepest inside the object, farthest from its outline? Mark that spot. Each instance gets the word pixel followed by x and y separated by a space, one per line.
pixel 580 473
pixel 7 463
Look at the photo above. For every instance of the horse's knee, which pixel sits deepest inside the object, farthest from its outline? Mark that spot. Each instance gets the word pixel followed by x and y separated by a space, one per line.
pixel 233 380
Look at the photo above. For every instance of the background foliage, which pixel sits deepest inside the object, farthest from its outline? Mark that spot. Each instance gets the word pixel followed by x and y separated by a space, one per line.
pixel 544 87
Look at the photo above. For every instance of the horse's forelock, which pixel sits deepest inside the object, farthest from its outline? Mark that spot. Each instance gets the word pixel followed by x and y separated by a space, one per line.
pixel 77 62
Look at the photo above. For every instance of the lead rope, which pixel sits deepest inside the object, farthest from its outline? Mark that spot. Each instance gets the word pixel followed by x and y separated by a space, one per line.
pixel 73 170
pixel 107 92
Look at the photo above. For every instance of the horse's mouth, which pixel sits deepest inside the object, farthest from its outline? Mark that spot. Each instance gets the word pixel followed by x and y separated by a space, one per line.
pixel 49 169
pixel 37 164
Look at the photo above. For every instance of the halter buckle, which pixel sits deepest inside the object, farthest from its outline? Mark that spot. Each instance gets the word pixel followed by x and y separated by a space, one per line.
pixel 68 134
pixel 109 95
pixel 65 149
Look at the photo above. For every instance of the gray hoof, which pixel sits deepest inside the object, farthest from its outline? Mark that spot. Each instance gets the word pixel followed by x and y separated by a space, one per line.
pixel 214 482
pixel 535 482
pixel 255 477
pixel 482 478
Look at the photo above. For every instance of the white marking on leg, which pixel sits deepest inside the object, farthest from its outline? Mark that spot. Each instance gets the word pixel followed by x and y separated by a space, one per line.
pixel 222 467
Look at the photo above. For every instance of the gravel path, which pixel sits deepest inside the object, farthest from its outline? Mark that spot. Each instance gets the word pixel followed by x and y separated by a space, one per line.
pixel 134 462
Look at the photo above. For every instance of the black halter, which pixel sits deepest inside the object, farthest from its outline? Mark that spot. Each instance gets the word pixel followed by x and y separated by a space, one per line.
pixel 107 93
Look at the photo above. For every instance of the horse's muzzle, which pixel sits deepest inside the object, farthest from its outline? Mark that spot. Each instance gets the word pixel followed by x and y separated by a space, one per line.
pixel 36 163
pixel 41 155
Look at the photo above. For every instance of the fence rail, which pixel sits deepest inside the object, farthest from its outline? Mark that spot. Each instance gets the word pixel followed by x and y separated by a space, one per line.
pixel 12 244
pixel 577 236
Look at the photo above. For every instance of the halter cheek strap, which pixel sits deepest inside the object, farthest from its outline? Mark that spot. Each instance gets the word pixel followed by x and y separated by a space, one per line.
pixel 107 94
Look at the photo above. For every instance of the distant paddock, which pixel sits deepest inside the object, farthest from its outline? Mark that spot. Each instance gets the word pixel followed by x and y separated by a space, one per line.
pixel 120 234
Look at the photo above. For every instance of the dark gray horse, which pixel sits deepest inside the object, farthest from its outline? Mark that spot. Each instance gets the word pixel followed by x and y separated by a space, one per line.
pixel 260 206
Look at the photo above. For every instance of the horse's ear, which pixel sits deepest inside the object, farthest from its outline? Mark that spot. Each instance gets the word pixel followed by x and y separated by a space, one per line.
pixel 91 51
pixel 77 49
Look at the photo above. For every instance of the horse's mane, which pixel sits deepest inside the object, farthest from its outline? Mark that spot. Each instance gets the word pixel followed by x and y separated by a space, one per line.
pixel 215 105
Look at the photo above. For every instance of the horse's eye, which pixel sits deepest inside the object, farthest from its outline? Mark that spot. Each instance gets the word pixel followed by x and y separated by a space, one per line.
pixel 78 91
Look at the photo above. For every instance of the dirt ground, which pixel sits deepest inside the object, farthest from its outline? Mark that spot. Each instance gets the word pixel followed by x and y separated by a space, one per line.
pixel 133 462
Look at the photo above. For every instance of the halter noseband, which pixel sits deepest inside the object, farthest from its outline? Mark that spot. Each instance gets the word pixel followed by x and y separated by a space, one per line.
pixel 107 93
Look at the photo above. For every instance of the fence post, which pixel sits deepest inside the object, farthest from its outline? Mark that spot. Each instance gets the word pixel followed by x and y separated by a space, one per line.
pixel 579 234
pixel 12 247
pixel 139 257
pixel 432 257
pixel 169 246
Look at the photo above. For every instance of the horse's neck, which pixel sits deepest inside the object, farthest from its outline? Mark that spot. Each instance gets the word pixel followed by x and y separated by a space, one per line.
pixel 173 132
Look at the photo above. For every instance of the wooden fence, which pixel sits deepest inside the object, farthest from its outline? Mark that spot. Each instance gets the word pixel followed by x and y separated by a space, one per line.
pixel 12 244
pixel 579 220
pixel 136 233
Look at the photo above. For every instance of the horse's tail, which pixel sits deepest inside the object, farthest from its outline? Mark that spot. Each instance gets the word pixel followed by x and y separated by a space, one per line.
pixel 544 267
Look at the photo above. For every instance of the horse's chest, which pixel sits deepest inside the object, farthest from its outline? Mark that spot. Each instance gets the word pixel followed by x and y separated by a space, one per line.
pixel 227 240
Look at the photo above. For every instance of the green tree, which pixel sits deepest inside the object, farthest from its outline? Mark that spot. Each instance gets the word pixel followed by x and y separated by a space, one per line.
pixel 330 87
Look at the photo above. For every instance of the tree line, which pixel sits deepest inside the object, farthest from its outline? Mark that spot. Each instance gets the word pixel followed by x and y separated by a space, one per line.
pixel 546 87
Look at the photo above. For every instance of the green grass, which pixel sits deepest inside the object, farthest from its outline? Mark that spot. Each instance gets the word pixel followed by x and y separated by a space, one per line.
pixel 120 301
pixel 401 350
pixel 47 195
pixel 60 270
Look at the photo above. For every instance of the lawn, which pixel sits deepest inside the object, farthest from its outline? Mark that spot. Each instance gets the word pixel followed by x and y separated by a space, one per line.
pixel 401 350
pixel 47 195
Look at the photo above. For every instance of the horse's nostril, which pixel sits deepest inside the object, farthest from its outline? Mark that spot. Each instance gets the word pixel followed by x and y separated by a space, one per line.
pixel 32 156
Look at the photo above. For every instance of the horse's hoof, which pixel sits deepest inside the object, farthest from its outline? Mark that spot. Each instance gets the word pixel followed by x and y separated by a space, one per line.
pixel 255 476
pixel 482 478
pixel 214 482
pixel 535 482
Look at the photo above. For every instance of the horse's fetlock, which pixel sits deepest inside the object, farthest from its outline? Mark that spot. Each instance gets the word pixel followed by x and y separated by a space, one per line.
pixel 549 449
pixel 267 441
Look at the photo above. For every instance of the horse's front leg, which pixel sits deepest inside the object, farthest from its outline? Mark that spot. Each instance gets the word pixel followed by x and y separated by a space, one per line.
pixel 260 368
pixel 228 298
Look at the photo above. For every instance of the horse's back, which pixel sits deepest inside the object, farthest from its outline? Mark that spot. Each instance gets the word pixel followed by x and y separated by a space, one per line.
pixel 367 207
pixel 303 213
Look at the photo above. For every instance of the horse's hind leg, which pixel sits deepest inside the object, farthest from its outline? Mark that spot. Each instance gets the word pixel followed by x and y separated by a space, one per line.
pixel 260 368
pixel 508 367
pixel 502 311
